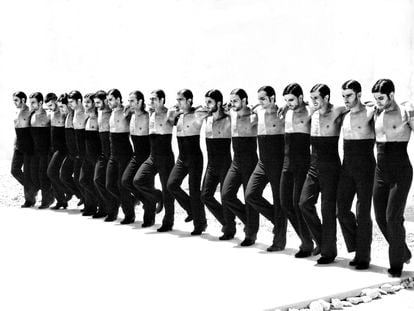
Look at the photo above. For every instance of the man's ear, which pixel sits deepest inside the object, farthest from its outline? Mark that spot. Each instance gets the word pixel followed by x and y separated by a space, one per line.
pixel 391 96
pixel 300 98
pixel 272 99
pixel 140 102
pixel 190 101
pixel 326 98
pixel 359 95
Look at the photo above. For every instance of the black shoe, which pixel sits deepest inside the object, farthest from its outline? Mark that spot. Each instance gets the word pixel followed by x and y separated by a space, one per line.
pixel 164 228
pixel 127 221
pixel 27 204
pixel 199 231
pixel 81 202
pixel 110 218
pixel 324 260
pixel 354 262
pixel 188 218
pixel 395 272
pixel 159 207
pixel 88 212
pixel 316 251
pixel 100 214
pixel 362 265
pixel 45 205
pixel 59 205
pixel 303 254
pixel 275 248
pixel 247 242
pixel 226 237
pixel 147 224
pixel 68 196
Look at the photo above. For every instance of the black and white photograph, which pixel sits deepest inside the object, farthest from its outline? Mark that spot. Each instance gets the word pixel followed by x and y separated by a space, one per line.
pixel 207 155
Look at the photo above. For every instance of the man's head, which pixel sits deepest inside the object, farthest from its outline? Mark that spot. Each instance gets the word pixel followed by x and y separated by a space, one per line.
pixel 293 95
pixel 184 99
pixel 214 100
pixel 136 100
pixel 75 99
pixel 62 104
pixel 238 99
pixel 50 101
pixel 157 99
pixel 266 96
pixel 36 101
pixel 19 99
pixel 320 95
pixel 383 91
pixel 351 93
pixel 100 100
pixel 114 98
pixel 88 102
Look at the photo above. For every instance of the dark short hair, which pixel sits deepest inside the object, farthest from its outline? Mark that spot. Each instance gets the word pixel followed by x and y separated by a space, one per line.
pixel 216 95
pixel 383 86
pixel 352 85
pixel 76 95
pixel 38 96
pixel 139 96
pixel 268 90
pixel 21 95
pixel 160 94
pixel 294 89
pixel 241 93
pixel 186 93
pixel 89 96
pixel 50 96
pixel 63 98
pixel 115 93
pixel 323 89
pixel 100 95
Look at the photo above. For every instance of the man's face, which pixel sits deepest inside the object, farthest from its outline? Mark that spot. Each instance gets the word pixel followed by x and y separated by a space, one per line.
pixel 51 105
pixel 183 104
pixel 291 101
pixel 18 102
pixel 133 102
pixel 350 98
pixel 264 100
pixel 34 104
pixel 99 103
pixel 317 100
pixel 155 101
pixel 383 101
pixel 211 105
pixel 236 102
pixel 63 108
pixel 112 102
pixel 88 104
pixel 72 103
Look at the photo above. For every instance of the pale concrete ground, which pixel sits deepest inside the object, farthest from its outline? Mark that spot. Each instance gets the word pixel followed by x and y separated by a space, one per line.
pixel 62 261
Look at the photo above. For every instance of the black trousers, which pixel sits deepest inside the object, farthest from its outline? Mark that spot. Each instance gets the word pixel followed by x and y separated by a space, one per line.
pixel 144 183
pixel 69 175
pixel 357 177
pixel 238 175
pixel 191 203
pixel 291 183
pixel 127 182
pixel 216 172
pixel 86 181
pixel 23 160
pixel 264 173
pixel 114 170
pixel 392 183
pixel 106 201
pixel 39 164
pixel 53 171
pixel 325 181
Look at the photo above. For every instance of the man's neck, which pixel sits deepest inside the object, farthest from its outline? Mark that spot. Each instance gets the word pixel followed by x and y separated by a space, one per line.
pixel 40 111
pixel 23 108
pixel 271 109
pixel 357 108
pixel 326 107
pixel 160 109
pixel 139 112
pixel 79 108
pixel 391 107
pixel 117 108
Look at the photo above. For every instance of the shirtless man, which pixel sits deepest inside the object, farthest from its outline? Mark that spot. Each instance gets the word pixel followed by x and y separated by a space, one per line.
pixel 121 152
pixel 161 160
pixel 270 138
pixel 92 152
pixel 58 146
pixel 323 173
pixel 40 130
pixel 106 201
pixel 23 149
pixel 296 164
pixel 70 169
pixel 190 160
pixel 139 130
pixel 393 174
pixel 243 133
pixel 218 140
pixel 357 175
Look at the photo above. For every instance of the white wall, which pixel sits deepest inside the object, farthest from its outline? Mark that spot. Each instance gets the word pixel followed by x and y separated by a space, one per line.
pixel 89 45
